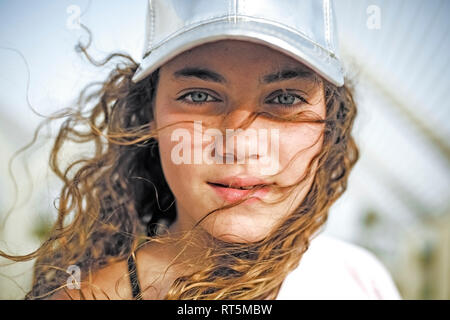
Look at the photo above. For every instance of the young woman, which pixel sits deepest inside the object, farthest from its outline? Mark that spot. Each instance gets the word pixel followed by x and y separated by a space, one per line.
pixel 216 161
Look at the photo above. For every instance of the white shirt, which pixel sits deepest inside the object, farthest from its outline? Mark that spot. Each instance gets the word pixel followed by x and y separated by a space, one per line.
pixel 334 269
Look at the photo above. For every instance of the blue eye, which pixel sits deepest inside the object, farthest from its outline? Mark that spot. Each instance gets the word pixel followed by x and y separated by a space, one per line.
pixel 286 99
pixel 197 97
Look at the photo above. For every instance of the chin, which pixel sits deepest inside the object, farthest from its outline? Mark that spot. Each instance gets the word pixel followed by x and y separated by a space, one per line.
pixel 237 230
pixel 237 239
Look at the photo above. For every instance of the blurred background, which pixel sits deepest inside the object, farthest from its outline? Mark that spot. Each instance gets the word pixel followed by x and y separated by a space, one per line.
pixel 395 51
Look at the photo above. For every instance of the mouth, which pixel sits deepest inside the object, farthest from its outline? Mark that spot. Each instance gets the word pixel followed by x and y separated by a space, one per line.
pixel 235 190
pixel 251 187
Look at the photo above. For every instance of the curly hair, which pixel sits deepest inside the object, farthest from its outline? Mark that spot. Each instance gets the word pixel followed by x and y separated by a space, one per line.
pixel 106 207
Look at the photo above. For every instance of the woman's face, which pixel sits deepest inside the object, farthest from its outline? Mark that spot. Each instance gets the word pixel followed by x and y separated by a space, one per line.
pixel 213 88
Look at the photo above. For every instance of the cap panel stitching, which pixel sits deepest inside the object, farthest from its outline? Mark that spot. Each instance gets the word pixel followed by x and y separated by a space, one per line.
pixel 326 18
pixel 332 28
pixel 152 25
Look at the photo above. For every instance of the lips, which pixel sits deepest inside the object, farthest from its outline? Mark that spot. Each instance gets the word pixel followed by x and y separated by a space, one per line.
pixel 249 187
pixel 233 189
pixel 240 181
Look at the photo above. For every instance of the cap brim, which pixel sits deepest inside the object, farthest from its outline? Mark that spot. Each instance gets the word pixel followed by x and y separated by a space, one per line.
pixel 277 37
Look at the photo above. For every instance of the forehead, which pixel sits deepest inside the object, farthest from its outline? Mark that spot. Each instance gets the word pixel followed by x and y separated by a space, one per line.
pixel 235 54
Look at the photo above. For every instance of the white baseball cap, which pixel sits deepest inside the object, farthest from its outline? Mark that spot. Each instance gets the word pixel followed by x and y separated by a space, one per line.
pixel 303 29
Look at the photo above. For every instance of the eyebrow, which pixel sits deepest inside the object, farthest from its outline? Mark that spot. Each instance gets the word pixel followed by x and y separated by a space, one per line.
pixel 209 75
pixel 287 74
pixel 201 73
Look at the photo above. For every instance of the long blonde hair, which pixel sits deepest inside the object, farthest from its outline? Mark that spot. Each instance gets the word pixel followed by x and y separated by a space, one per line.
pixel 112 200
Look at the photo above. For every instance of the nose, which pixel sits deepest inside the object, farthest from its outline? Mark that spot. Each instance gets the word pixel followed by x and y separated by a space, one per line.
pixel 240 141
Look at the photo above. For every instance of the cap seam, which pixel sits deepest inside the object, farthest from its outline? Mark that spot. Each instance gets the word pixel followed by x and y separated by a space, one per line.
pixel 332 27
pixel 326 18
pixel 152 25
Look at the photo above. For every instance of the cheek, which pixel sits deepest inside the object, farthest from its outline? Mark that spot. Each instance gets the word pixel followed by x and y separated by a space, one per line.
pixel 172 169
pixel 298 145
pixel 163 118
pixel 182 175
pixel 183 179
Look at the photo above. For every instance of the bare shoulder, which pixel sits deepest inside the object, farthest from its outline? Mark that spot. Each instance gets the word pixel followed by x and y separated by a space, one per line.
pixel 113 282
pixel 110 282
